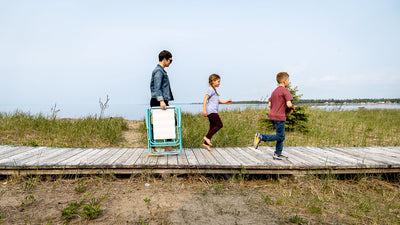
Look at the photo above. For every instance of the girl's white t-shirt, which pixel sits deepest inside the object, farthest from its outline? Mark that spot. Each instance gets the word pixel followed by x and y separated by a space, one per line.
pixel 213 101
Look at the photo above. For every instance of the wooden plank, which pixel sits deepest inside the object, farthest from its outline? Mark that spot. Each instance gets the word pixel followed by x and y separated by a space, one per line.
pixel 291 152
pixel 44 156
pixel 9 156
pixel 93 156
pixel 21 155
pixel 172 159
pixel 380 154
pixel 298 160
pixel 356 154
pixel 125 156
pixel 162 160
pixel 200 157
pixel 192 160
pixel 113 160
pixel 301 155
pixel 67 153
pixel 393 151
pixel 321 156
pixel 209 156
pixel 235 153
pixel 181 158
pixel 152 160
pixel 134 156
pixel 343 160
pixel 221 160
pixel 6 148
pixel 252 155
pixel 226 154
pixel 77 158
pixel 142 160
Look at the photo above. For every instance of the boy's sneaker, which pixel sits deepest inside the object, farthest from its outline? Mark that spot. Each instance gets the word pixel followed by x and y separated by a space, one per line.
pixel 283 157
pixel 276 157
pixel 257 140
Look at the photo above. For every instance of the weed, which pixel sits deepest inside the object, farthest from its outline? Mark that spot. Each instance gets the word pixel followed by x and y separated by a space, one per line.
pixel 298 220
pixel 1 218
pixel 89 210
pixel 267 199
pixel 315 209
pixel 147 200
pixel 82 186
pixel 92 210
pixel 31 182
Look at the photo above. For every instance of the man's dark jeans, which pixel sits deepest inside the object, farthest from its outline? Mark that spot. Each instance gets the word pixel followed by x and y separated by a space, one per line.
pixel 279 137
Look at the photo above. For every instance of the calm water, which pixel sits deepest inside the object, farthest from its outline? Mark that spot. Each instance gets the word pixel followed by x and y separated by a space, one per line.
pixel 137 111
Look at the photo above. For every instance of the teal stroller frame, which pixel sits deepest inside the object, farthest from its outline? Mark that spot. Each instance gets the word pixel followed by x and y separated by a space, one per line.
pixel 164 129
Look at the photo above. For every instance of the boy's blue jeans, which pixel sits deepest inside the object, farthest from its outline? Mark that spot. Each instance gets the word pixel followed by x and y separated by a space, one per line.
pixel 279 137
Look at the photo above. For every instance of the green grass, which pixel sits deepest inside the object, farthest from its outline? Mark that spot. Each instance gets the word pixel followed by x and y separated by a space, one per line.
pixel 37 130
pixel 359 128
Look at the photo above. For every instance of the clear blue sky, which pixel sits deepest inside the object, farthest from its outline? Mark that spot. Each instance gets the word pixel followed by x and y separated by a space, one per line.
pixel 78 51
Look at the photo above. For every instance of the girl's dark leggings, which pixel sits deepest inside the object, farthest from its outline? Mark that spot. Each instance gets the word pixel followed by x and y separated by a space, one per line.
pixel 215 125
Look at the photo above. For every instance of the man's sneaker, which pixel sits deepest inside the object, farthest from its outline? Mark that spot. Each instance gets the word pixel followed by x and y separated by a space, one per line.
pixel 257 140
pixel 283 157
pixel 276 157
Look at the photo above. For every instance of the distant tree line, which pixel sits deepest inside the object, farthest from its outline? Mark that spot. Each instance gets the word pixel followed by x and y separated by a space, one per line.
pixel 336 101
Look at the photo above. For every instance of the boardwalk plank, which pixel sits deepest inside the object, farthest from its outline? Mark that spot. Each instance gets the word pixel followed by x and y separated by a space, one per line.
pixel 162 160
pixel 21 155
pixel 39 156
pixel 242 159
pixel 209 156
pixel 228 157
pixel 221 159
pixel 67 153
pixel 134 157
pixel 200 157
pixel 173 159
pixel 192 160
pixel 253 155
pixel 15 153
pixel 114 159
pixel 6 148
pixel 355 153
pixel 181 159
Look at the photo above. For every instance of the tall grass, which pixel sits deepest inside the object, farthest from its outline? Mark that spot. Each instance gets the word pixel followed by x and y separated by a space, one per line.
pixel 21 128
pixel 378 127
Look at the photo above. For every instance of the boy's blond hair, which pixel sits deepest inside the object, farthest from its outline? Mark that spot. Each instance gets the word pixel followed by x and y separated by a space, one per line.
pixel 282 76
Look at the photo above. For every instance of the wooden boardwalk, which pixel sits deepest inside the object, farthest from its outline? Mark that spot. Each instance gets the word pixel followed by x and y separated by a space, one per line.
pixel 22 160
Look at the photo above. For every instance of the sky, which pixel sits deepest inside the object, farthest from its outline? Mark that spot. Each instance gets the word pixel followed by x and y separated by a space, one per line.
pixel 76 51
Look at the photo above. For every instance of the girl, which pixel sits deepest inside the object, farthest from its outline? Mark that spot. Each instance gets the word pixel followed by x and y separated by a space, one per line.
pixel 210 109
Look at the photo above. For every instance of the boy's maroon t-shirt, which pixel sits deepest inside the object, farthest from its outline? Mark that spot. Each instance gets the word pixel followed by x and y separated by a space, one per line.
pixel 278 100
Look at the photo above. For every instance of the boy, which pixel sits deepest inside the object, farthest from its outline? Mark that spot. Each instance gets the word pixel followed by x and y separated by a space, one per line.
pixel 279 100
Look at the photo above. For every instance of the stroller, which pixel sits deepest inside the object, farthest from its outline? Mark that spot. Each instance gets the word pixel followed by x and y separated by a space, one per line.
pixel 164 129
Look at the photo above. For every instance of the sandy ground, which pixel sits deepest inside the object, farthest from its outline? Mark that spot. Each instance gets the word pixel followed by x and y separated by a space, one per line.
pixel 131 136
pixel 136 201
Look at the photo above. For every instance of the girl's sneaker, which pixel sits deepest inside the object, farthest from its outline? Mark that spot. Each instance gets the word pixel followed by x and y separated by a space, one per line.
pixel 257 140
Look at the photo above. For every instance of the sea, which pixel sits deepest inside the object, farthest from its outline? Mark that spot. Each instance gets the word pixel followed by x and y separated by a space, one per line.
pixel 137 111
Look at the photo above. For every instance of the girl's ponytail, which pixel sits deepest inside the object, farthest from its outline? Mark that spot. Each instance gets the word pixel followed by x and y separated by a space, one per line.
pixel 213 77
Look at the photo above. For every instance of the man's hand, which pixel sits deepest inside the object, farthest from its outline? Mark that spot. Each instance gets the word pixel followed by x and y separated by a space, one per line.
pixel 163 105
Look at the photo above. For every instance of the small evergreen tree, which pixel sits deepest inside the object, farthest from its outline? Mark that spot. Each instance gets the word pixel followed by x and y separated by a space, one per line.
pixel 295 121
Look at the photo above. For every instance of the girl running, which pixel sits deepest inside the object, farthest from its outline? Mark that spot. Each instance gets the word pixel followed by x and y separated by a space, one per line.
pixel 210 109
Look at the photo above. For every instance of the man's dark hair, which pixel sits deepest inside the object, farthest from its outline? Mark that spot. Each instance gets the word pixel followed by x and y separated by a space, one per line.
pixel 164 55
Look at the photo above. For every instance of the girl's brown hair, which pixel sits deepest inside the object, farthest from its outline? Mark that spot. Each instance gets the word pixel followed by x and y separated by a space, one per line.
pixel 213 77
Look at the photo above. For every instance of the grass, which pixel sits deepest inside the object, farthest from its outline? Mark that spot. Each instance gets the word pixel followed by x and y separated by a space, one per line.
pixel 37 130
pixel 360 128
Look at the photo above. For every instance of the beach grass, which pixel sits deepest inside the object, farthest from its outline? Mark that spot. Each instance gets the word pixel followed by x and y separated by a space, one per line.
pixel 20 128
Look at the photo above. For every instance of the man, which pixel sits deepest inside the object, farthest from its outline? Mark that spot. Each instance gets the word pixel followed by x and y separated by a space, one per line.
pixel 160 87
